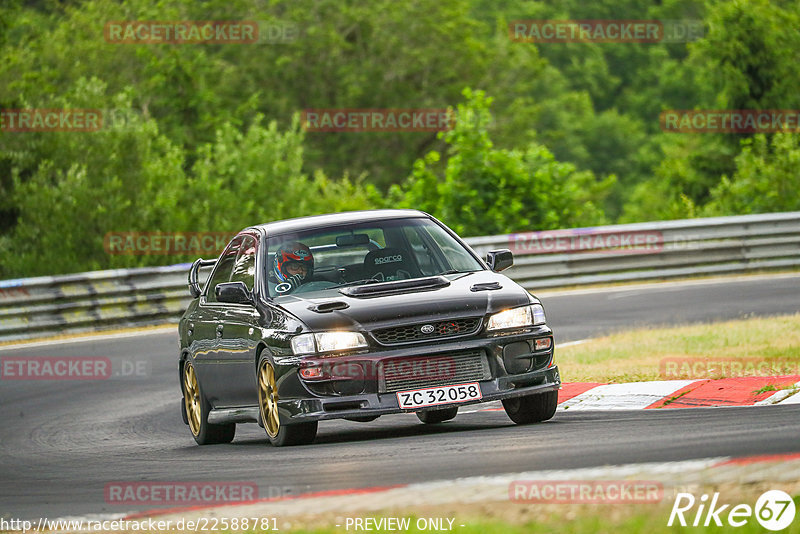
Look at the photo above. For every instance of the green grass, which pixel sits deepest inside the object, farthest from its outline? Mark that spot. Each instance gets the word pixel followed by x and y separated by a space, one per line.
pixel 767 343
pixel 768 387
pixel 589 520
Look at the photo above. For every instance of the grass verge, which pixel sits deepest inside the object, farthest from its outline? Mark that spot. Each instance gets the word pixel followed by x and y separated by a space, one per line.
pixel 760 345
pixel 518 518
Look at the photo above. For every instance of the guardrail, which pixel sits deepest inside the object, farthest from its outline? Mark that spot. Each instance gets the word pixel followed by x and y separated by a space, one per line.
pixel 646 251
pixel 33 307
pixel 99 300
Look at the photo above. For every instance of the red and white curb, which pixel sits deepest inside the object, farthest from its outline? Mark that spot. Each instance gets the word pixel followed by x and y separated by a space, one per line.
pixel 672 476
pixel 742 391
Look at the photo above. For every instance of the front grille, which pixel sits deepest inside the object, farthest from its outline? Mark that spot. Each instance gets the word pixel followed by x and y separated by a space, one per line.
pixel 423 331
pixel 401 374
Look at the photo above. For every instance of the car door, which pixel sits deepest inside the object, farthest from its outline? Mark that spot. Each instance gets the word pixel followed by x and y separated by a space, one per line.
pixel 240 333
pixel 209 327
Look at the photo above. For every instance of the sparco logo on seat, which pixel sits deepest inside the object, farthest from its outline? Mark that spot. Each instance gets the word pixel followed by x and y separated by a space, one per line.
pixel 388 259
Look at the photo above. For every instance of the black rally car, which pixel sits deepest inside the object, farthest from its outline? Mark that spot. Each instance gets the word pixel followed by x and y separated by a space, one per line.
pixel 356 315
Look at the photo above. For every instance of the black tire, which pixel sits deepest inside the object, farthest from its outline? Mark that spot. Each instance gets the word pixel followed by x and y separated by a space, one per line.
pixel 432 417
pixel 532 408
pixel 278 434
pixel 300 434
pixel 194 401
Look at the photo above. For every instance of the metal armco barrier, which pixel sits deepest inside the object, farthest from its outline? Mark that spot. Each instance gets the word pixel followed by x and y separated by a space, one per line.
pixel 647 251
pixel 35 307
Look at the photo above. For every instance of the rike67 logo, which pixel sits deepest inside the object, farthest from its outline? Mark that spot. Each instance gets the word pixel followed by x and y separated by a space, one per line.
pixel 774 510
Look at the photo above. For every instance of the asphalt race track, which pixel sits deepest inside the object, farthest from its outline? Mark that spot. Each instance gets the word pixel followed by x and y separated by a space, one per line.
pixel 61 442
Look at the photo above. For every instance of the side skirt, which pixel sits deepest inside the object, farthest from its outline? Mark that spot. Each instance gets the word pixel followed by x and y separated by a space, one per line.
pixel 233 415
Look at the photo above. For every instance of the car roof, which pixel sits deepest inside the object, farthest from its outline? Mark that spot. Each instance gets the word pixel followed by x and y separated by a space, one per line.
pixel 334 219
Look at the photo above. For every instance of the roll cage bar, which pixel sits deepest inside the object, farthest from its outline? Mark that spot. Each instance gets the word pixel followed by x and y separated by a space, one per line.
pixel 194 286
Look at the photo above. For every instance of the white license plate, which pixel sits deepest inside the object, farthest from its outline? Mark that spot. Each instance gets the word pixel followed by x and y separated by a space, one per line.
pixel 418 398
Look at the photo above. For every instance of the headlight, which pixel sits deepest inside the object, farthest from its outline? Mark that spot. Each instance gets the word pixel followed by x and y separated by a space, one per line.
pixel 303 344
pixel 538 314
pixel 327 342
pixel 517 318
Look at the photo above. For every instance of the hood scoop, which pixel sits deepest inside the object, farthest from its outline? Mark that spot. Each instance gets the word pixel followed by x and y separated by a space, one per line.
pixel 486 286
pixel 328 307
pixel 399 286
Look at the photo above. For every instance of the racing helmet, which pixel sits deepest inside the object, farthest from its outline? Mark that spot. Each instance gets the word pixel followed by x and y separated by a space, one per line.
pixel 294 252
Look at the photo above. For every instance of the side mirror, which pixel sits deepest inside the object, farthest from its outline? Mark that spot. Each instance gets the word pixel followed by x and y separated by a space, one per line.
pixel 233 293
pixel 499 260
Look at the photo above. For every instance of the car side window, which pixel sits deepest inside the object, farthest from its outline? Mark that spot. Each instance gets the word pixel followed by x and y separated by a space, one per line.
pixel 244 268
pixel 222 272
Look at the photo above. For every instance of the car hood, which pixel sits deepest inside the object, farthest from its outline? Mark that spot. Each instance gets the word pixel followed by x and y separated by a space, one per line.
pixel 465 296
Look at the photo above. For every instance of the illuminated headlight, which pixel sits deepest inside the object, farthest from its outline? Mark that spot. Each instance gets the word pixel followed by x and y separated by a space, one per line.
pixel 327 342
pixel 517 318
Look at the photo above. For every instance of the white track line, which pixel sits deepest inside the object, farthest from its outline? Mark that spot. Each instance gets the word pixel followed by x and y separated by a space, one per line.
pixel 90 338
pixel 794 399
pixel 675 476
pixel 780 396
pixel 493 488
pixel 571 343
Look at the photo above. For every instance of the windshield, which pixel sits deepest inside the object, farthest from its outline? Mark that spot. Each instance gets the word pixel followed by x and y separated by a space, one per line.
pixel 377 251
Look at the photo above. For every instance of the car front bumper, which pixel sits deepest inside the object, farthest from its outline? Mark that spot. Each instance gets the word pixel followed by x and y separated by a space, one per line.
pixel 376 404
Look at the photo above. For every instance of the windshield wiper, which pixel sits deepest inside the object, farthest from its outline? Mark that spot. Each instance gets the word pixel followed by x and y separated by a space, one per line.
pixel 454 271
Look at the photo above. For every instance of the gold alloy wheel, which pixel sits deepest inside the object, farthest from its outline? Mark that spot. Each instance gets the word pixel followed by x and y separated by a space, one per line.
pixel 191 396
pixel 268 399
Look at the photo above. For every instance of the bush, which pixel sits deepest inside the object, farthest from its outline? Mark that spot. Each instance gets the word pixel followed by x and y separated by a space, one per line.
pixel 480 190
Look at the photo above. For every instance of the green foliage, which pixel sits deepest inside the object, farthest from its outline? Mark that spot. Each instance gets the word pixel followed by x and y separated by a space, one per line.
pixel 482 190
pixel 129 177
pixel 752 47
pixel 767 178
pixel 682 179
pixel 210 139
pixel 256 176
pixel 71 188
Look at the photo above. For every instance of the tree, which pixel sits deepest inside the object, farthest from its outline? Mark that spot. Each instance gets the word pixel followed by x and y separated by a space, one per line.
pixel 71 188
pixel 480 190
pixel 767 178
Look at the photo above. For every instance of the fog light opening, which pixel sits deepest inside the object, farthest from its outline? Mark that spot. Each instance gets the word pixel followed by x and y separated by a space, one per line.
pixel 310 373
pixel 543 343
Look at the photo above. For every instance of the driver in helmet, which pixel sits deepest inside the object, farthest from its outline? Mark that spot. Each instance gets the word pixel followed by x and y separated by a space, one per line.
pixel 293 266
